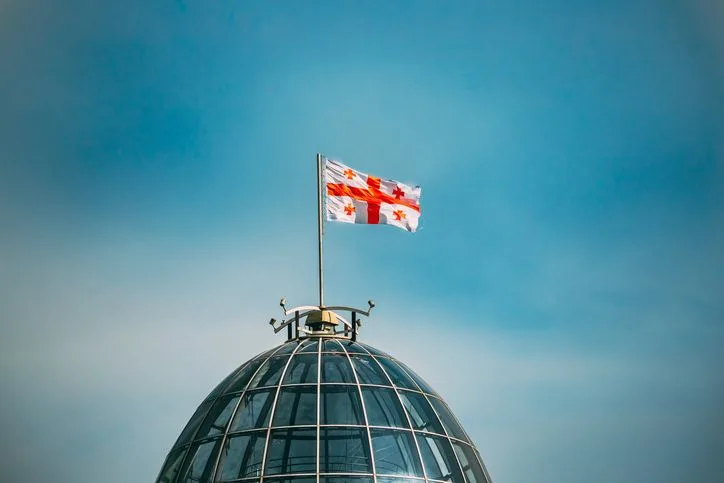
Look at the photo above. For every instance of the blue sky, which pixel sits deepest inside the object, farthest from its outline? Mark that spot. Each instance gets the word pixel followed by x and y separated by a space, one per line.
pixel 157 198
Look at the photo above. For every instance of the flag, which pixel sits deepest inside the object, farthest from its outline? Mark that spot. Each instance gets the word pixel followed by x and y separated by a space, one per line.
pixel 354 197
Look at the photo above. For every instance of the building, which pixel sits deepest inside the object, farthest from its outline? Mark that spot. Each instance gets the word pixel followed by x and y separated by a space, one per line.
pixel 323 408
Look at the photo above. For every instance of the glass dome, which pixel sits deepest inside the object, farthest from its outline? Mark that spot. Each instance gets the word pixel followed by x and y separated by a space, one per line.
pixel 323 410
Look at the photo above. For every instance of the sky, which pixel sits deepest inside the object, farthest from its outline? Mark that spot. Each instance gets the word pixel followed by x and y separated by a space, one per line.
pixel 158 197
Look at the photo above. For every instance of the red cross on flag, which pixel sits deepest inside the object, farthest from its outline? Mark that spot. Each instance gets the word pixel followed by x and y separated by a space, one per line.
pixel 354 197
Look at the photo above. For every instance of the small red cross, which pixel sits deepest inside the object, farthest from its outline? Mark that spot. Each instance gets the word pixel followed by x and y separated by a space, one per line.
pixel 349 209
pixel 399 215
pixel 349 173
pixel 398 193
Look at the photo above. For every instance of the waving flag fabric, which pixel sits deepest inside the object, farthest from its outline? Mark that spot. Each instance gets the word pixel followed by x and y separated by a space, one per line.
pixel 354 197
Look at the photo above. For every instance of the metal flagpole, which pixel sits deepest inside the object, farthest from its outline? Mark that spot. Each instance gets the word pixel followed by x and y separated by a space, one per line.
pixel 320 229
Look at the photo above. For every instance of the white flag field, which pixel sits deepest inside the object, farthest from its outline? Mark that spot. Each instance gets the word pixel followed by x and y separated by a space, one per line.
pixel 355 197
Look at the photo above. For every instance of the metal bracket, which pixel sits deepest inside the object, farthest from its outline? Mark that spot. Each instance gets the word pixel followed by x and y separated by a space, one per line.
pixel 350 329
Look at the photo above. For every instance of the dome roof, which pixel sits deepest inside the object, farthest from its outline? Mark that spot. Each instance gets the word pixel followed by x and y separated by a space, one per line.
pixel 325 410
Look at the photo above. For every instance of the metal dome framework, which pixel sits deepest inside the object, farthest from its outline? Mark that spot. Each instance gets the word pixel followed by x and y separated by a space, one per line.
pixel 323 410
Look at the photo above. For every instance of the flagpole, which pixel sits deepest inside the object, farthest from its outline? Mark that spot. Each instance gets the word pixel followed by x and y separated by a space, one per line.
pixel 320 229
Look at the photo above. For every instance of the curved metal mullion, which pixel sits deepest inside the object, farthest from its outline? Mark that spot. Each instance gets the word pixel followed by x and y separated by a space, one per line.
pixel 191 441
pixel 447 435
pixel 405 478
pixel 382 385
pixel 364 412
pixel 297 384
pixel 482 465
pixel 165 461
pixel 440 399
pixel 211 405
pixel 225 435
pixel 307 475
pixel 273 409
pixel 404 409
pixel 312 426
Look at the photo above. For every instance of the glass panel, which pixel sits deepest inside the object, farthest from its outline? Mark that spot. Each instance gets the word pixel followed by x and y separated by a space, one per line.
pixel 341 405
pixel 398 376
pixel 287 348
pixel 244 376
pixel 374 351
pixel 242 456
pixel 193 423
pixel 270 372
pixel 345 479
pixel 200 462
pixel 303 369
pixel 292 451
pixel 336 368
pixel 253 410
pixel 296 405
pixel 293 479
pixel 395 453
pixel 368 371
pixel 332 345
pixel 311 346
pixel 398 479
pixel 383 407
pixel 344 450
pixel 266 354
pixel 420 411
pixel 222 385
pixel 425 387
pixel 469 462
pixel 353 347
pixel 218 417
pixel 170 470
pixel 439 458
pixel 448 420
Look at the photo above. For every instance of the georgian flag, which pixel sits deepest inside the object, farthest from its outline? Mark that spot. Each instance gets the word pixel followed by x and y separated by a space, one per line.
pixel 354 197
